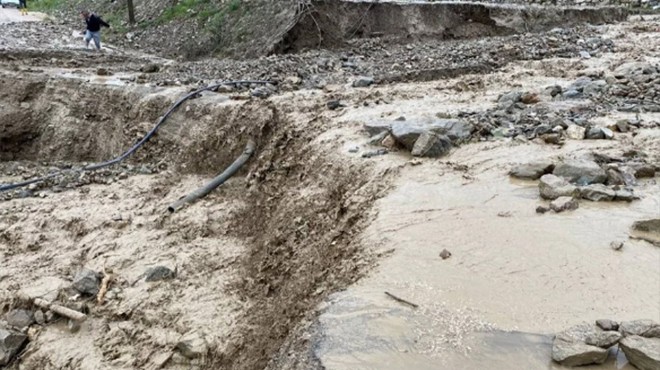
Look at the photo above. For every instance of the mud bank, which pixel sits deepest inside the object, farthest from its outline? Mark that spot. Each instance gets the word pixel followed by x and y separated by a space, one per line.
pixel 332 24
pixel 252 258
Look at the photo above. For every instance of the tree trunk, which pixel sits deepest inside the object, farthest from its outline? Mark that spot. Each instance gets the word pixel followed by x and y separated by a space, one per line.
pixel 131 11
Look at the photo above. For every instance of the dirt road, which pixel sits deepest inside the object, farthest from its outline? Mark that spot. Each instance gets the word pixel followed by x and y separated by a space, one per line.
pixel 11 15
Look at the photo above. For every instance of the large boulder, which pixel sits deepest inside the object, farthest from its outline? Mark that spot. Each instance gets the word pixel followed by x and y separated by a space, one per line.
pixel 430 144
pixel 532 170
pixel 597 193
pixel 552 187
pixel 643 353
pixel 648 230
pixel 644 328
pixel 577 353
pixel 456 130
pixel 581 171
pixel 406 133
pixel 10 344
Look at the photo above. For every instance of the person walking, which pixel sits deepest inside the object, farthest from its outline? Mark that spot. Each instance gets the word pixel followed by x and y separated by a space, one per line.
pixel 93 31
pixel 22 4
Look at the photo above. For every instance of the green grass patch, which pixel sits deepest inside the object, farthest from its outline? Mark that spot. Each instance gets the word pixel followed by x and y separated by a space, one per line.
pixel 45 5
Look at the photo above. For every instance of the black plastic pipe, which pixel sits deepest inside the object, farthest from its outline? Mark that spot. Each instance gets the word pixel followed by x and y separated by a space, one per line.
pixel 129 152
pixel 217 181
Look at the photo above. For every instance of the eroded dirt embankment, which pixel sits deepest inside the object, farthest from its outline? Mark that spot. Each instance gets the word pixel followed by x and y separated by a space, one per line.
pixel 252 259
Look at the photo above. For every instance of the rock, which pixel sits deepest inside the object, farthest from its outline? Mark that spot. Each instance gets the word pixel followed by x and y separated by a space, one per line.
pixel 607 133
pixel 39 317
pixel 624 195
pixel 577 353
pixel 595 133
pixel 622 126
pixel 615 177
pixel 50 316
pixel 261 92
pixel 529 98
pixel 354 149
pixel 150 68
pixel 334 104
pixel 552 138
pixel 633 69
pixel 564 204
pixel 542 209
pixel 10 344
pixel 375 153
pixel 553 187
pixel 363 81
pixel 87 282
pixel 389 142
pixel 648 230
pixel 575 132
pixel 643 170
pixel 593 87
pixel 445 254
pixel 430 144
pixel 571 94
pixel 19 318
pixel 158 273
pixel 585 55
pixel 406 134
pixel 73 326
pixel 603 339
pixel 455 130
pixel 643 353
pixel 533 170
pixel 580 171
pixel 597 193
pixel 606 324
pixel 553 90
pixel 617 246
pixel 192 345
pixel 509 99
pixel 103 72
pixel 375 128
pixel 643 328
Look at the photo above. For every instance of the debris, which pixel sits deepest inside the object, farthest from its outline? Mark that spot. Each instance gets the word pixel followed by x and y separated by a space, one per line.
pixel 107 278
pixel 445 254
pixel 401 300
pixel 60 310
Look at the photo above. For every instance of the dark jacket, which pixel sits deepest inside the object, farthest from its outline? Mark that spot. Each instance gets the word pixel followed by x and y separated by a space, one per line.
pixel 94 23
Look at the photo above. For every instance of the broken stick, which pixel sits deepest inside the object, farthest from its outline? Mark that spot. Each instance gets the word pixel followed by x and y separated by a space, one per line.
pixel 401 300
pixel 60 310
pixel 107 278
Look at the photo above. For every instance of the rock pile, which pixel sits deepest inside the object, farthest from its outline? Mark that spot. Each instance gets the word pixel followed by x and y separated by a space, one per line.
pixel 423 138
pixel 587 343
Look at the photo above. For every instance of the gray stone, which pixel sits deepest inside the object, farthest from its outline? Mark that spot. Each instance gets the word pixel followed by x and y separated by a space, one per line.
pixel 445 254
pixel 575 132
pixel 158 273
pixel 585 55
pixel 375 128
pixel 594 87
pixel 607 133
pixel 643 170
pixel 192 345
pixel 577 353
pixel 39 317
pixel 624 195
pixel 533 170
pixel 50 316
pixel 562 204
pixel 603 339
pixel 19 318
pixel 363 81
pixel 648 230
pixel 571 94
pixel 634 68
pixel 553 187
pixel 509 99
pixel 595 133
pixel 430 144
pixel 606 324
pixel 10 344
pixel 542 209
pixel 615 177
pixel 87 282
pixel 455 129
pixel 406 133
pixel 643 353
pixel 73 326
pixel 375 153
pixel 643 328
pixel 597 193
pixel 580 171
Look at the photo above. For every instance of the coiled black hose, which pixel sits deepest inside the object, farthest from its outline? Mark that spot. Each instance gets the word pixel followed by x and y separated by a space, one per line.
pixel 135 147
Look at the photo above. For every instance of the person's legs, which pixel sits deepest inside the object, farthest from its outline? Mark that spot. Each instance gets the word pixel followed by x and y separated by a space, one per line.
pixel 88 38
pixel 97 39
